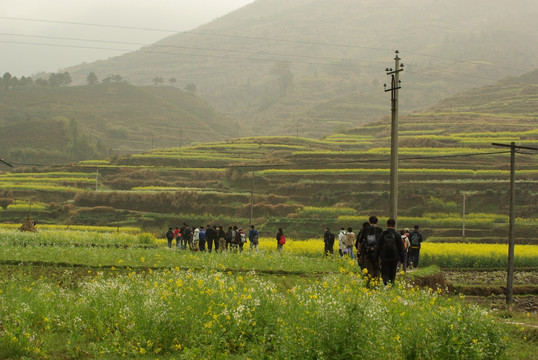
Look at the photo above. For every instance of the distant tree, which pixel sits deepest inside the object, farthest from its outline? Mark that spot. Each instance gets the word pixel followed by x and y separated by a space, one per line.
pixel 67 78
pixel 172 81
pixel 92 79
pixel 14 82
pixel 6 79
pixel 59 79
pixel 191 88
pixel 158 80
pixel 282 69
pixel 41 82
pixel 26 81
pixel 113 78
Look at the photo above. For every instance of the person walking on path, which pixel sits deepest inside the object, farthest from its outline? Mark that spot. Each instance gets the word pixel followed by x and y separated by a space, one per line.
pixel 341 241
pixel 187 237
pixel 253 237
pixel 415 238
pixel 235 240
pixel 195 239
pixel 390 250
pixel 328 239
pixel 358 245
pixel 229 238
pixel 350 241
pixel 202 238
pixel 280 239
pixel 170 237
pixel 177 236
pixel 241 238
pixel 211 237
pixel 406 244
pixel 369 243
pixel 221 234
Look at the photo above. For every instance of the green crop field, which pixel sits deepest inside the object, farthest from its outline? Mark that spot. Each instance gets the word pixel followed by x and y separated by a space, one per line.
pixel 103 294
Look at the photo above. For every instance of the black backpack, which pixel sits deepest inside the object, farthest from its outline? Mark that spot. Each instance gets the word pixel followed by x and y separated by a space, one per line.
pixel 371 234
pixel 389 250
pixel 255 237
pixel 415 241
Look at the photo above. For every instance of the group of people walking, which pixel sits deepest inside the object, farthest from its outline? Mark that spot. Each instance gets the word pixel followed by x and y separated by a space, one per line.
pixel 381 253
pixel 212 237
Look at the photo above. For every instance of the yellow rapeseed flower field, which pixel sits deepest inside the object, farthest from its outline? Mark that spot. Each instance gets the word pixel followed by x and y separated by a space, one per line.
pixel 442 254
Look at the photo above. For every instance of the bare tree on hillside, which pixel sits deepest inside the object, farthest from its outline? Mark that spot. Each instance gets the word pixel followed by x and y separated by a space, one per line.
pixel 282 69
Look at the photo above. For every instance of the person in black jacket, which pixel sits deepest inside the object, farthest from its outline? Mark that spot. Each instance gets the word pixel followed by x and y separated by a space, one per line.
pixel 211 237
pixel 415 240
pixel 221 235
pixel 328 239
pixel 369 241
pixel 170 237
pixel 389 250
pixel 229 238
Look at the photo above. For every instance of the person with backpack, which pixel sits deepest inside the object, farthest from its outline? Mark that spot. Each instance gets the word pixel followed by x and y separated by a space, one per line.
pixel 229 238
pixel 253 238
pixel 213 239
pixel 170 237
pixel 415 238
pixel 241 239
pixel 235 243
pixel 328 239
pixel 341 241
pixel 358 244
pixel 389 251
pixel 369 242
pixel 202 238
pixel 187 236
pixel 221 234
pixel 349 242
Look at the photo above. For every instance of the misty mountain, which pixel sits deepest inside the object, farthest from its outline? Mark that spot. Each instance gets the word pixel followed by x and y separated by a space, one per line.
pixel 315 66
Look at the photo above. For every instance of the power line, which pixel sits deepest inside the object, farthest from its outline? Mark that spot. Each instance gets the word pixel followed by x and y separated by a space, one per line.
pixel 331 44
pixel 197 33
pixel 154 45
pixel 342 64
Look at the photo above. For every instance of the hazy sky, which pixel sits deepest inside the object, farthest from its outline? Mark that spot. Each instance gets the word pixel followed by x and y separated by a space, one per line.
pixel 46 20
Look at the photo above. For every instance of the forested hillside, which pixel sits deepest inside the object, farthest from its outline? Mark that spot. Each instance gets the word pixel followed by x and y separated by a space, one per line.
pixel 113 117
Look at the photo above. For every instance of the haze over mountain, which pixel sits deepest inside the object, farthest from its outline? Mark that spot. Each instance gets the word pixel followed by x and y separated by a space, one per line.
pixel 315 66
pixel 44 36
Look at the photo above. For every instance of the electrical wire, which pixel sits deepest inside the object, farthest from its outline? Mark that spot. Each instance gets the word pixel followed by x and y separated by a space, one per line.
pixel 257 38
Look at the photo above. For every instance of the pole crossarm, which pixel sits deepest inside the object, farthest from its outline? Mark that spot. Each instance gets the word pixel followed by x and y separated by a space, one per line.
pixel 515 146
pixel 4 162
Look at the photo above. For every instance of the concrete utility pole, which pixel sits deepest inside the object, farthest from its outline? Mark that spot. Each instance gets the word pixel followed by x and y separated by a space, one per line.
pixel 463 217
pixel 511 241
pixel 96 178
pixel 395 86
pixel 251 201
